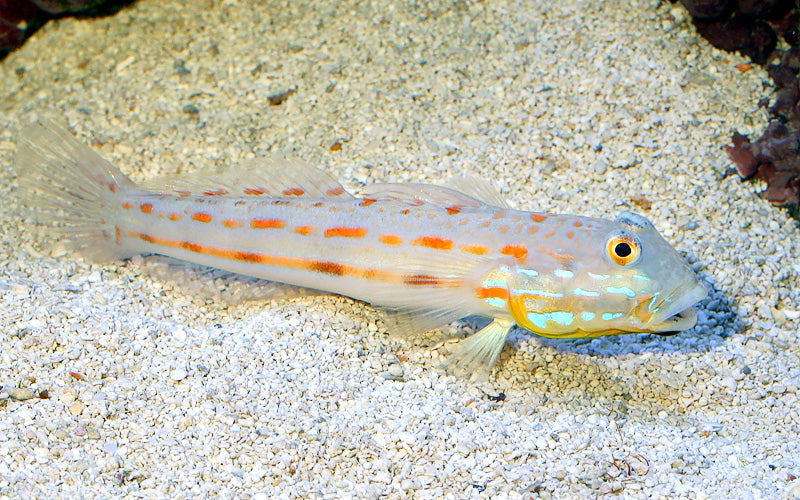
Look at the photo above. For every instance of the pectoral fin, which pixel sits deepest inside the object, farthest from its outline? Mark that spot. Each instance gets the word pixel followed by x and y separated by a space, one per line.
pixel 478 352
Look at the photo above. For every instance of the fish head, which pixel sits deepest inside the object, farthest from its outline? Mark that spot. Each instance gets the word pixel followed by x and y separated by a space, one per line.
pixel 621 277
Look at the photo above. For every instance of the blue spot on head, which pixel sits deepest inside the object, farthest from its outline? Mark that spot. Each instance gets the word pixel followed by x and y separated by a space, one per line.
pixel 610 316
pixel 587 315
pixel 621 290
pixel 562 318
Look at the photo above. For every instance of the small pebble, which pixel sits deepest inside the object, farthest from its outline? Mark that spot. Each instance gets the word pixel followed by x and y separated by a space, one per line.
pixel 178 374
pixel 18 394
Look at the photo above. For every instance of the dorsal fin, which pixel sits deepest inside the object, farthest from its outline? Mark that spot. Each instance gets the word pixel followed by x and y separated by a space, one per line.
pixel 466 191
pixel 482 190
pixel 275 177
pixel 415 193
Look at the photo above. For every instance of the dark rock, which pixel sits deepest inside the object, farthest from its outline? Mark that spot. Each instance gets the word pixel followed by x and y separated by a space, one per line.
pixel 755 39
pixel 765 9
pixel 68 6
pixel 775 159
pixel 789 28
pixel 708 9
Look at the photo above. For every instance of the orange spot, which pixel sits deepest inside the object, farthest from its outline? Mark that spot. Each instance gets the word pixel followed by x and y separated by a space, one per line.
pixel 112 187
pixel 744 67
pixel 367 202
pixel 532 230
pixel 127 206
pixel 335 191
pixel 453 210
pixel 146 208
pixel 232 223
pixel 538 217
pixel 218 192
pixel 201 217
pixel 346 232
pixel 254 191
pixel 317 204
pixel 267 224
pixel 517 251
pixel 550 234
pixel 294 192
pixel 434 242
pixel 504 229
pixel 570 234
pixel 476 249
pixel 304 230
pixel 494 292
pixel 174 217
pixel 183 192
pixel 405 211
pixel 578 223
pixel 485 224
pixel 390 239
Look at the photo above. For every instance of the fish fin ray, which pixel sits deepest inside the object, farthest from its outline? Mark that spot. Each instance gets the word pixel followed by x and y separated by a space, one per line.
pixel 478 352
pixel 271 176
pixel 71 192
pixel 479 189
pixel 416 193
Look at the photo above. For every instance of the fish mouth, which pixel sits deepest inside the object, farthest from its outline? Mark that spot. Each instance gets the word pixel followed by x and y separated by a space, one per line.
pixel 679 315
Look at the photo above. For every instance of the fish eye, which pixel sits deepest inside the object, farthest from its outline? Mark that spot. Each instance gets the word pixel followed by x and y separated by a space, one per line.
pixel 623 248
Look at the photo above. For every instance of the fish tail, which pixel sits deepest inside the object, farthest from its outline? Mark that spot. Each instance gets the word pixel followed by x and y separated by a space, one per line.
pixel 71 192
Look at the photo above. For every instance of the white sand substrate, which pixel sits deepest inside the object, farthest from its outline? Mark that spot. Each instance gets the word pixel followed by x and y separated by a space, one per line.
pixel 155 390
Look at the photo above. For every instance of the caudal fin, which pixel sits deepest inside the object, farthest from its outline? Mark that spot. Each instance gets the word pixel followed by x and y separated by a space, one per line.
pixel 70 191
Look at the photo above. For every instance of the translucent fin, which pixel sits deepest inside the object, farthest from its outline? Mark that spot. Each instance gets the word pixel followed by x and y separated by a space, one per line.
pixel 410 322
pixel 416 193
pixel 479 351
pixel 449 297
pixel 70 191
pixel 274 177
pixel 478 188
pixel 217 284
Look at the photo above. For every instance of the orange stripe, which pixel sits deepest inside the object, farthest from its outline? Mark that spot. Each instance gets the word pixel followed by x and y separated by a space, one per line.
pixel 518 251
pixel 267 224
pixel 174 217
pixel 578 223
pixel 304 230
pixel 312 265
pixel 538 217
pixel 434 242
pixel 453 210
pixel 293 192
pixel 476 249
pixel 493 292
pixel 127 206
pixel 335 191
pixel 232 223
pixel 254 191
pixel 367 202
pixel 346 232
pixel 146 208
pixel 201 217
pixel 391 239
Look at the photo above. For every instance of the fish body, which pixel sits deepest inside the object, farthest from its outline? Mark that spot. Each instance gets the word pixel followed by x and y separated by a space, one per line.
pixel 428 254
